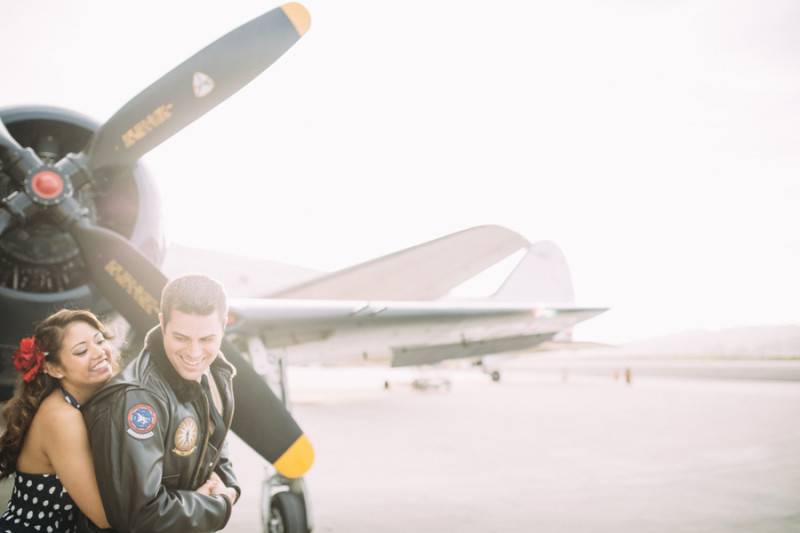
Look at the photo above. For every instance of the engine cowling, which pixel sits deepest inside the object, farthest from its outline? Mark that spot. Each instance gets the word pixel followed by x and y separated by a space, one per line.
pixel 41 268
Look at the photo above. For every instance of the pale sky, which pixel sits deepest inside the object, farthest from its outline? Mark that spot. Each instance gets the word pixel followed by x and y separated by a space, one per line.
pixel 655 142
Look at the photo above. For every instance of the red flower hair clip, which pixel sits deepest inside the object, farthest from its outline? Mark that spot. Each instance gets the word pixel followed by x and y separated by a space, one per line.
pixel 28 359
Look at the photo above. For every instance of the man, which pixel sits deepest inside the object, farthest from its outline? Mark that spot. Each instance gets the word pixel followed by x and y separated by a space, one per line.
pixel 158 429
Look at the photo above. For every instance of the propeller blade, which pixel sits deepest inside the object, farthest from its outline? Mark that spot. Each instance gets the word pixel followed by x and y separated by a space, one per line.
pixel 133 285
pixel 6 139
pixel 6 220
pixel 263 422
pixel 196 86
pixel 10 149
pixel 124 276
pixel 15 160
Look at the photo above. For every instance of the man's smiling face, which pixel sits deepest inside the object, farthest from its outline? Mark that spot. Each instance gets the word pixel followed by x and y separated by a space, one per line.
pixel 192 342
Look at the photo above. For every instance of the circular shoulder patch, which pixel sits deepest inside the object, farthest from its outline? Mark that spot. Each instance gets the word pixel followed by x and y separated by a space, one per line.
pixel 142 418
pixel 186 437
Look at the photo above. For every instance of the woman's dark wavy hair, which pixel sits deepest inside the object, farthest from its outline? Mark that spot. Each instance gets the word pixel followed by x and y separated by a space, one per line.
pixel 21 408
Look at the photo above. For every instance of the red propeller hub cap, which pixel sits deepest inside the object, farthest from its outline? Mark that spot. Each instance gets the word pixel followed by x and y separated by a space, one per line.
pixel 47 184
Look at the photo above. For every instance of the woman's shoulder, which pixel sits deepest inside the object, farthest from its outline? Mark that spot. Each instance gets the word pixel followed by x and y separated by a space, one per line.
pixel 55 412
pixel 51 425
pixel 61 425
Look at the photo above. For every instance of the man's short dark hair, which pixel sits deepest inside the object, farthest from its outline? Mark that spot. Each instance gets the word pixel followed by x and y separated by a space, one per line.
pixel 194 294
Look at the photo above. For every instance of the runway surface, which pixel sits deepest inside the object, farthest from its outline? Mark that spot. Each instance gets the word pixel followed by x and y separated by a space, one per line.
pixel 534 453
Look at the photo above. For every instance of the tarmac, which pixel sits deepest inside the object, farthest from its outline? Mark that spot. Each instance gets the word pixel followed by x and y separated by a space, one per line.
pixel 540 451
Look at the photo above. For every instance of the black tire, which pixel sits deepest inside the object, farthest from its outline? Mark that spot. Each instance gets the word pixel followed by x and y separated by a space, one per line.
pixel 495 375
pixel 287 514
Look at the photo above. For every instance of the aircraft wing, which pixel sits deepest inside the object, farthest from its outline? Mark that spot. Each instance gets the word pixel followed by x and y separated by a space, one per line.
pixel 399 332
pixel 378 312
pixel 448 261
pixel 438 266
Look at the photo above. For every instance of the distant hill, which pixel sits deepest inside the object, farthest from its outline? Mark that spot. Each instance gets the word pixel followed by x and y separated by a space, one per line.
pixel 757 342
pixel 744 342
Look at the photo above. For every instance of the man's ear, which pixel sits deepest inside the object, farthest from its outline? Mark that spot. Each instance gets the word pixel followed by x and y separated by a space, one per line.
pixel 53 370
pixel 161 321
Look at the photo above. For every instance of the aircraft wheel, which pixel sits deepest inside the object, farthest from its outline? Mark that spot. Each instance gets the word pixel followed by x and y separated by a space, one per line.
pixel 495 375
pixel 287 514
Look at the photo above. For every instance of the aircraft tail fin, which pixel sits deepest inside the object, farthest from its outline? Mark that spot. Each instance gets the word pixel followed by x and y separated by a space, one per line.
pixel 541 276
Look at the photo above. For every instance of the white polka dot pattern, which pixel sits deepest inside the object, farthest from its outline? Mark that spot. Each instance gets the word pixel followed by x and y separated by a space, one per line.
pixel 29 510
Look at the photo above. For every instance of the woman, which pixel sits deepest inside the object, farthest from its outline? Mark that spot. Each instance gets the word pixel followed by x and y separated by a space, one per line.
pixel 66 361
pixel 63 364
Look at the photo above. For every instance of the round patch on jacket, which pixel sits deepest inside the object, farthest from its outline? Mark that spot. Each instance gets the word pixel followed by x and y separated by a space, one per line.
pixel 186 437
pixel 142 419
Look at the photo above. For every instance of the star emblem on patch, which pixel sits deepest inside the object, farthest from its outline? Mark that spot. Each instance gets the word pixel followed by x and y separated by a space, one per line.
pixel 142 420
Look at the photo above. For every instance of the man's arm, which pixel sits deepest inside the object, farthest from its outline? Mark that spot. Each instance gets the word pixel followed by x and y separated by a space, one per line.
pixel 224 470
pixel 128 441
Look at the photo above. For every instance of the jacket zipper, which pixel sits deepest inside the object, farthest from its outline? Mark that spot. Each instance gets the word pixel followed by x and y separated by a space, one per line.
pixel 228 394
pixel 203 451
pixel 201 464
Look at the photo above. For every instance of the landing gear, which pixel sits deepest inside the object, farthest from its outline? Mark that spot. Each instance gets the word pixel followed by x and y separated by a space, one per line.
pixel 285 507
pixel 284 511
pixel 287 514
pixel 486 367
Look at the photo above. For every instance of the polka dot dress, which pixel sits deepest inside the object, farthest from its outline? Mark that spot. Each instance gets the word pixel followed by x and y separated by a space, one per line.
pixel 38 503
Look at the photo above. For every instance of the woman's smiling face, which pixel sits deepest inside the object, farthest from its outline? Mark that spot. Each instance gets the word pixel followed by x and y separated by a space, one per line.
pixel 84 358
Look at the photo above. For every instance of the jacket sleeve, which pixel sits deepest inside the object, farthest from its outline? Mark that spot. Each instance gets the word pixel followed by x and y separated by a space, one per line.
pixel 224 469
pixel 128 445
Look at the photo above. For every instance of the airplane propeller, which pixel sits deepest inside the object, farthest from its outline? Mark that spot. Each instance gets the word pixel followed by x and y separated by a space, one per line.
pixel 123 275
pixel 196 86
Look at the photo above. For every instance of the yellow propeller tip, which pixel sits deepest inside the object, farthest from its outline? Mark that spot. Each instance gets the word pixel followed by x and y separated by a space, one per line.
pixel 297 459
pixel 299 16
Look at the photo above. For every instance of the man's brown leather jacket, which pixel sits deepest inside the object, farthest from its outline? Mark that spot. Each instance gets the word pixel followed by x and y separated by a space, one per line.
pixel 149 430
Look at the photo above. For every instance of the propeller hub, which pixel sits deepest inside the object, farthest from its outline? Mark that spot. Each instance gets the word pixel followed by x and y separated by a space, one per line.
pixel 47 184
